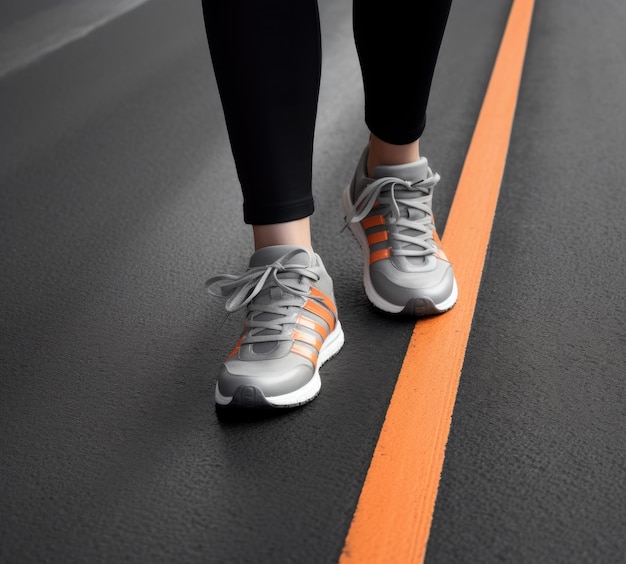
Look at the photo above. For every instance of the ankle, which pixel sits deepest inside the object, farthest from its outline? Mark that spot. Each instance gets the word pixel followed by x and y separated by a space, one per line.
pixel 297 232
pixel 386 154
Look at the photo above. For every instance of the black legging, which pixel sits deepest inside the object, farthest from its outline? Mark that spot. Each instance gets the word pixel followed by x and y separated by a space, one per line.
pixel 267 60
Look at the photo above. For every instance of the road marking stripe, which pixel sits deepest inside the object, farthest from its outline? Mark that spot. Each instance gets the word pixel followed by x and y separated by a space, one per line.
pixel 49 30
pixel 394 513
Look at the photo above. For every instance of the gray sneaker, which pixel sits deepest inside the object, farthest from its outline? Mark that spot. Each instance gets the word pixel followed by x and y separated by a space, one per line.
pixel 406 270
pixel 291 328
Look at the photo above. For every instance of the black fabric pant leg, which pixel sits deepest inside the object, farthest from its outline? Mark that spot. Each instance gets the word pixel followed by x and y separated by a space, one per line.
pixel 398 44
pixel 267 60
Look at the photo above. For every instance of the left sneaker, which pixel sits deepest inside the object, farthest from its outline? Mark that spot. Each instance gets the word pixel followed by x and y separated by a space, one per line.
pixel 291 329
pixel 390 215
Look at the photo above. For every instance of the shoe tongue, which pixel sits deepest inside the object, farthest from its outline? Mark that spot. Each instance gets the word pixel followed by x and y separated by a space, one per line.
pixel 272 295
pixel 268 255
pixel 412 172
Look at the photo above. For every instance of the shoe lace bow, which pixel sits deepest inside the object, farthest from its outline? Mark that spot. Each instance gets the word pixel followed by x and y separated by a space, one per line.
pixel 265 321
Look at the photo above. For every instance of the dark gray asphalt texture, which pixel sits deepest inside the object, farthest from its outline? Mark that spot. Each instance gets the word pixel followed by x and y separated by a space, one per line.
pixel 118 199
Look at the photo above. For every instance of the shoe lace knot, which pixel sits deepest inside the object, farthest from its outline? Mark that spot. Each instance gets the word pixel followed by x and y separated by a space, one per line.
pixel 284 285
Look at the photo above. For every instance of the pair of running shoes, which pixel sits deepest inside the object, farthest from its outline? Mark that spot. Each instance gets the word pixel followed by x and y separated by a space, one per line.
pixel 291 326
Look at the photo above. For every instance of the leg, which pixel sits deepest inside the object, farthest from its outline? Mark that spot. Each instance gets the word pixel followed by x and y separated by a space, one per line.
pixel 266 55
pixel 296 232
pixel 389 203
pixel 395 107
pixel 267 61
pixel 382 153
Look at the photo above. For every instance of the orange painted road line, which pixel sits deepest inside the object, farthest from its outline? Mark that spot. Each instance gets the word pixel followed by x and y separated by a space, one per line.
pixel 393 517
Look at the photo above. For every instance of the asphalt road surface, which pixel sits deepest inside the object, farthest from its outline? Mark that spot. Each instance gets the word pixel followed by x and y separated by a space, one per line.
pixel 118 198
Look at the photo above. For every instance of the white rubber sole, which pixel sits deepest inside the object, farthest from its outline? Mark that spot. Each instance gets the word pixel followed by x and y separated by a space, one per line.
pixel 332 345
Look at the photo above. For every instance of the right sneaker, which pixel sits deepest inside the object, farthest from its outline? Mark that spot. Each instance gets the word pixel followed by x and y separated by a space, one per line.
pixel 290 329
pixel 390 215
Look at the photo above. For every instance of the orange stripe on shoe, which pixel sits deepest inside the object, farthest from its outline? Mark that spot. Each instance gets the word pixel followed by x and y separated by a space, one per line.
pixel 318 309
pixel 380 255
pixel 330 304
pixel 237 347
pixel 439 252
pixel 377 237
pixel 305 352
pixel 309 323
pixel 373 221
pixel 307 338
pixel 394 513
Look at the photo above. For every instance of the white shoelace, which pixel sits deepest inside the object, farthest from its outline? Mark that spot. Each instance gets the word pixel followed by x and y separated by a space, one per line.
pixel 405 205
pixel 241 291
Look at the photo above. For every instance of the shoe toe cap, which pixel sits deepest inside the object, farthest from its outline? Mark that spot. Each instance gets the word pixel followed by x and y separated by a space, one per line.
pixel 273 377
pixel 400 288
